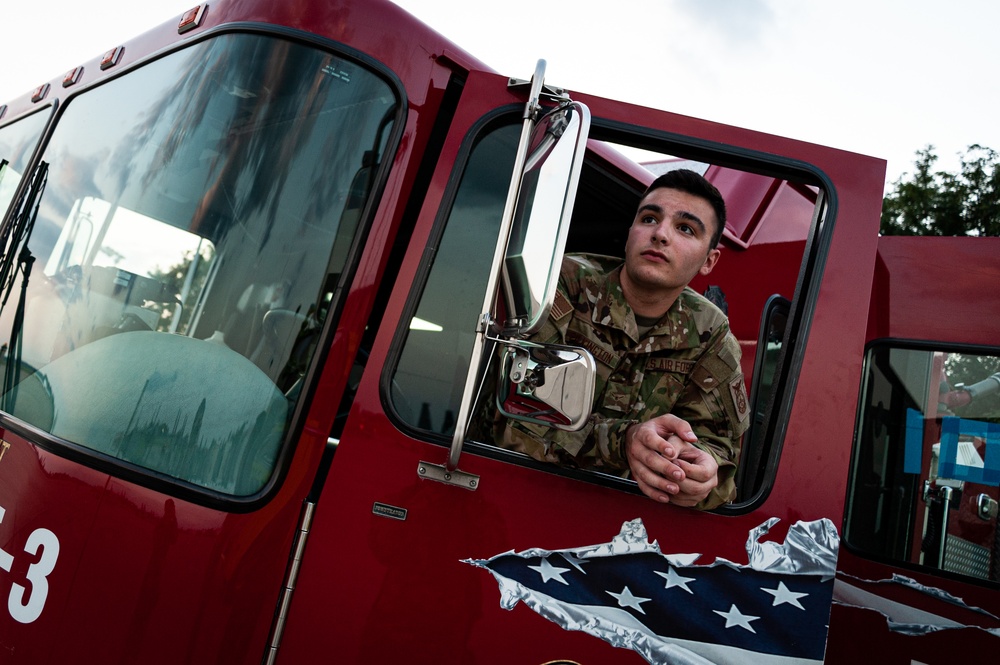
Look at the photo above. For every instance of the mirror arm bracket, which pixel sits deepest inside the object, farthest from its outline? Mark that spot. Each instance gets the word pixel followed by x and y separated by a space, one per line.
pixel 537 90
pixel 464 412
pixel 442 474
pixel 556 371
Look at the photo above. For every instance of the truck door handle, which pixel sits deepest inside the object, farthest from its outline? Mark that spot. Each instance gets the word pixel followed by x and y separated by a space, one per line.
pixel 987 507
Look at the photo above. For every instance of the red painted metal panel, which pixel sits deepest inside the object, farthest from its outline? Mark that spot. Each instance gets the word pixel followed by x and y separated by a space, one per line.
pixel 145 577
pixel 374 589
pixel 933 289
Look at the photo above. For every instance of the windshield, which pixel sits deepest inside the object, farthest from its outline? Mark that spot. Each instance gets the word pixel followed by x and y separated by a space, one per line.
pixel 194 218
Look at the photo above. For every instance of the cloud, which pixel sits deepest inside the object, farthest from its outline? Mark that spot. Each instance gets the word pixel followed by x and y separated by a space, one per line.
pixel 736 22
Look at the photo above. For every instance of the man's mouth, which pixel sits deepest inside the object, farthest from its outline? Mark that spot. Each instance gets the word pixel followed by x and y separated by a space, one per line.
pixel 655 255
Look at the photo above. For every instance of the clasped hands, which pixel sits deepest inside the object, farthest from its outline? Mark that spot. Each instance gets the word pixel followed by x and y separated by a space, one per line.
pixel 665 464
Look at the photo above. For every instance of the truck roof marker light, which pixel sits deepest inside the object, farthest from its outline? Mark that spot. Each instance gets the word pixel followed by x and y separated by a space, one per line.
pixel 72 76
pixel 40 92
pixel 112 57
pixel 191 19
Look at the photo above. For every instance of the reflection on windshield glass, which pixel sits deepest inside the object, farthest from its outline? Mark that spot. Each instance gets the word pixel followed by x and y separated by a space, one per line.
pixel 195 223
pixel 163 266
pixel 17 141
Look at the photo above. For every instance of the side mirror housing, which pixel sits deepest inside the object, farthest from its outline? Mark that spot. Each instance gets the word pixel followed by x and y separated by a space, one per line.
pixel 541 216
pixel 546 384
pixel 525 266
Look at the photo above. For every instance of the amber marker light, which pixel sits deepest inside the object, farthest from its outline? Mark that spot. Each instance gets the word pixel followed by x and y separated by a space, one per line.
pixel 72 76
pixel 112 57
pixel 191 19
pixel 39 93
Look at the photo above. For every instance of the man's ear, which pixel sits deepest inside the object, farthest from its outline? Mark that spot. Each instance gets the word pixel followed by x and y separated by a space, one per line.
pixel 710 261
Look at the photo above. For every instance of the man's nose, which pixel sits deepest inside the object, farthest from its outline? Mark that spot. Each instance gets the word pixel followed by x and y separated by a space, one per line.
pixel 661 234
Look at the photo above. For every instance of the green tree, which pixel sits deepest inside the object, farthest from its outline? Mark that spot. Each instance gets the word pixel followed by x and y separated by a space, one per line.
pixel 932 202
pixel 938 203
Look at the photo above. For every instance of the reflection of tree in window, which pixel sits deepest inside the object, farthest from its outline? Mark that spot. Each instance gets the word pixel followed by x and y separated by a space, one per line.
pixel 17 141
pixel 965 369
pixel 186 278
pixel 239 165
pixel 243 153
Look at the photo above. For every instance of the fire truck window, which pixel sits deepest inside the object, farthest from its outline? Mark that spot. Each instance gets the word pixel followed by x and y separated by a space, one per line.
pixel 752 470
pixel 769 221
pixel 17 141
pixel 926 467
pixel 769 224
pixel 195 220
pixel 426 387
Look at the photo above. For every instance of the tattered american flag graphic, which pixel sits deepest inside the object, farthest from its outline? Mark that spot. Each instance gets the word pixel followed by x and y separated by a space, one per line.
pixel 670 610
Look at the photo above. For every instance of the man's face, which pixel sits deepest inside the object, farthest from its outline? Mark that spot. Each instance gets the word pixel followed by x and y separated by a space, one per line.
pixel 668 243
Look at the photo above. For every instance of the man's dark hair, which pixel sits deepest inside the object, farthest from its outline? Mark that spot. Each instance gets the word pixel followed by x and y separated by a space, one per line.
pixel 693 183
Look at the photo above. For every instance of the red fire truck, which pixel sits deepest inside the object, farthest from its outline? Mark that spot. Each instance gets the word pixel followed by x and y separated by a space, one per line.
pixel 256 264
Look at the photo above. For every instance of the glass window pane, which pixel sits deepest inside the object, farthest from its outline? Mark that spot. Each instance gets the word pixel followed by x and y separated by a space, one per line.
pixel 924 486
pixel 196 219
pixel 426 388
pixel 17 142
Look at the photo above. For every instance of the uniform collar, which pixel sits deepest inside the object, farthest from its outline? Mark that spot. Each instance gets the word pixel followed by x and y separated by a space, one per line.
pixel 611 310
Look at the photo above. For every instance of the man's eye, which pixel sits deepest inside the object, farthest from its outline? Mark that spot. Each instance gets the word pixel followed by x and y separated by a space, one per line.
pixel 649 219
pixel 686 229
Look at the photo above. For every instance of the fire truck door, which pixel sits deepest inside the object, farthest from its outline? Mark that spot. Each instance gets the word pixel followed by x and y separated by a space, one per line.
pixel 399 566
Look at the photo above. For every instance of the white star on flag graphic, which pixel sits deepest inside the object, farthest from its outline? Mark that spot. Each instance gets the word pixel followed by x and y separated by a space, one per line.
pixel 626 599
pixel 736 618
pixel 674 579
pixel 783 595
pixel 550 572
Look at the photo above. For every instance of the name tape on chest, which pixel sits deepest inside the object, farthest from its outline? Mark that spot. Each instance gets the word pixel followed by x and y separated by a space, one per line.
pixel 601 354
pixel 670 365
pixel 609 358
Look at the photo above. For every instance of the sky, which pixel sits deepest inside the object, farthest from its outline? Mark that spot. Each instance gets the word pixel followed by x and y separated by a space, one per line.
pixel 879 77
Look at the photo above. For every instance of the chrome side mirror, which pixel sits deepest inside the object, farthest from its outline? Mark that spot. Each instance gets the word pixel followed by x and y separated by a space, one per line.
pixel 547 384
pixel 541 216
pixel 525 266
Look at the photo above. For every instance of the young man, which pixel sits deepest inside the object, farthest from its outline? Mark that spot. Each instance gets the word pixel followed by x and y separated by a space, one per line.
pixel 670 403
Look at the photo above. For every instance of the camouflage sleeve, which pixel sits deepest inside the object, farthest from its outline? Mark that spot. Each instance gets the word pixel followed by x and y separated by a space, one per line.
pixel 598 446
pixel 714 403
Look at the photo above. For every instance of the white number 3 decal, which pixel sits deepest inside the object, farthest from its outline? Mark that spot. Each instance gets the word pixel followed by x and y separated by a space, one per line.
pixel 27 610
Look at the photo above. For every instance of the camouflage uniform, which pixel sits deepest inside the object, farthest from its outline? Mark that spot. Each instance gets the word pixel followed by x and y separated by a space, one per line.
pixel 688 364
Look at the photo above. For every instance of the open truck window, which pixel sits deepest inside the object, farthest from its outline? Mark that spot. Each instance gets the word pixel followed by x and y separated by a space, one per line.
pixel 195 219
pixel 772 221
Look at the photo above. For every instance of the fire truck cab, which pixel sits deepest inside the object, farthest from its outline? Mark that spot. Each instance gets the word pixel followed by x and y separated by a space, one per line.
pixel 256 264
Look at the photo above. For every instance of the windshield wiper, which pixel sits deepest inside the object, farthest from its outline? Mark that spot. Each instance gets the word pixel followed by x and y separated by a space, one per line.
pixel 16 257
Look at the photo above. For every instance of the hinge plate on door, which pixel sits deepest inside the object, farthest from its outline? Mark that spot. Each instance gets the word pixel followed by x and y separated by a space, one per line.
pixel 440 473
